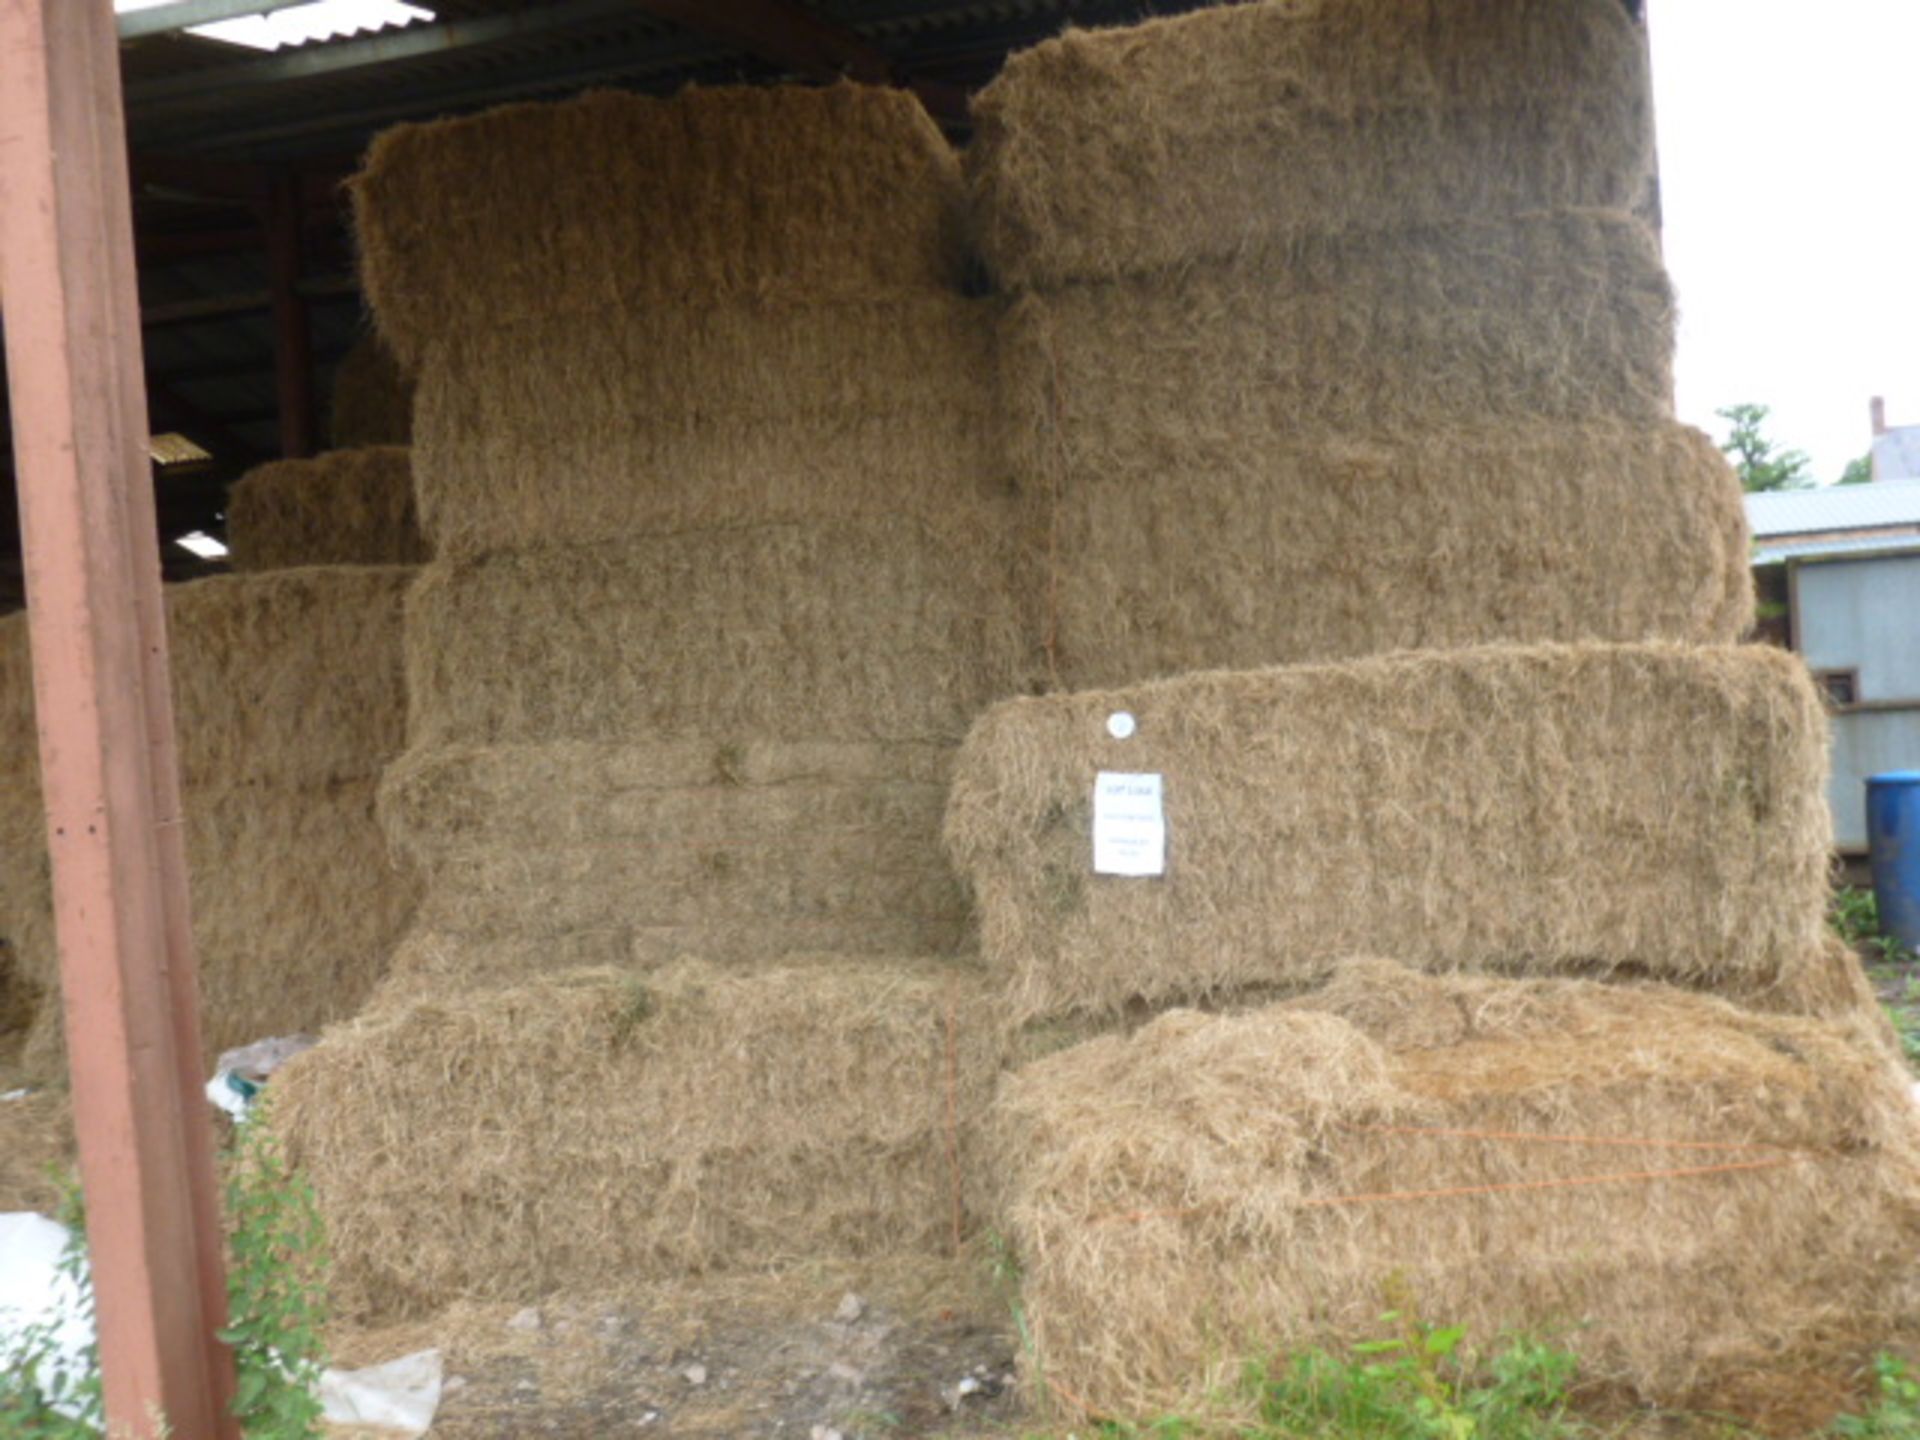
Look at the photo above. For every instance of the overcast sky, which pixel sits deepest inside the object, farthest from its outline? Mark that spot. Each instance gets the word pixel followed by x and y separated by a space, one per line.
pixel 1790 184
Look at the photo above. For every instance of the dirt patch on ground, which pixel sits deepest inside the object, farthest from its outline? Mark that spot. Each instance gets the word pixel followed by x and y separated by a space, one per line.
pixel 858 1356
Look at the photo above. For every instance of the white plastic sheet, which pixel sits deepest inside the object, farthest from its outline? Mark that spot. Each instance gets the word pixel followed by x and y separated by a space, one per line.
pixel 401 1395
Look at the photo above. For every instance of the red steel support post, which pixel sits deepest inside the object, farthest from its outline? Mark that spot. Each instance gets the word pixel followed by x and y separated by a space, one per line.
pixel 106 723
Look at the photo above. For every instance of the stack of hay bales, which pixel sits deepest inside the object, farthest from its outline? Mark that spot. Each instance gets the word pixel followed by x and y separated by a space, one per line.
pixel 288 704
pixel 1334 335
pixel 703 449
pixel 1334 338
pixel 720 571
pixel 1213 1187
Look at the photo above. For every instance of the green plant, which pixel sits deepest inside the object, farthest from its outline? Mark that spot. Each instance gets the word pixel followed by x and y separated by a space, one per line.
pixel 1855 917
pixel 1895 1413
pixel 1417 1383
pixel 275 1288
pixel 275 1309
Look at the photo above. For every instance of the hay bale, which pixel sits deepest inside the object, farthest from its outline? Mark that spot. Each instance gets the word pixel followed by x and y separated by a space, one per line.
pixel 292 677
pixel 349 507
pixel 736 193
pixel 582 837
pixel 1197 1194
pixel 431 963
pixel 1112 152
pixel 511 1142
pixel 1186 555
pixel 570 429
pixel 297 906
pixel 1565 316
pixel 372 398
pixel 36 1150
pixel 288 704
pixel 857 630
pixel 1640 809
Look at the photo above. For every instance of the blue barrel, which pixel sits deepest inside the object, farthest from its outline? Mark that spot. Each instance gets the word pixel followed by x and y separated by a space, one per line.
pixel 1893 839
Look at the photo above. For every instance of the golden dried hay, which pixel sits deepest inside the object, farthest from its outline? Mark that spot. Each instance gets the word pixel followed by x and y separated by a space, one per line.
pixel 372 398
pixel 1183 555
pixel 737 193
pixel 1566 316
pixel 36 1147
pixel 1110 152
pixel 288 704
pixel 1199 1193
pixel 874 629
pixel 574 428
pixel 586 839
pixel 431 963
pixel 293 676
pixel 348 507
pixel 1637 809
pixel 297 906
pixel 510 1142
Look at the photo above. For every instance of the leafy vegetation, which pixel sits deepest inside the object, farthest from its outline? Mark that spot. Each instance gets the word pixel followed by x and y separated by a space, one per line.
pixel 275 1292
pixel 1761 463
pixel 1895 1413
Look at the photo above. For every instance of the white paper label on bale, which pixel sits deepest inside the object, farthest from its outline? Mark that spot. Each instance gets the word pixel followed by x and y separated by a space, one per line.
pixel 1129 825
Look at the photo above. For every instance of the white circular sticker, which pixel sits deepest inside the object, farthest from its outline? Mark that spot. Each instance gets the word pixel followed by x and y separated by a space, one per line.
pixel 1120 725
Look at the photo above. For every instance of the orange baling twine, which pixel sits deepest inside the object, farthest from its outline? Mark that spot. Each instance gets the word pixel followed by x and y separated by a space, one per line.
pixel 1772 1157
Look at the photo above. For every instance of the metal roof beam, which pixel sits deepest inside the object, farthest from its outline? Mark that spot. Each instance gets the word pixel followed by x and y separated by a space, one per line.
pixel 215 87
pixel 164 19
pixel 790 35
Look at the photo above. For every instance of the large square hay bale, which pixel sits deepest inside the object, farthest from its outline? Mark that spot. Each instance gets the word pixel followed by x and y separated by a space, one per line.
pixel 569 429
pixel 735 193
pixel 766 843
pixel 871 629
pixel 1600 1164
pixel 506 1143
pixel 1108 152
pixel 288 703
pixel 1186 553
pixel 1646 810
pixel 1565 316
pixel 348 507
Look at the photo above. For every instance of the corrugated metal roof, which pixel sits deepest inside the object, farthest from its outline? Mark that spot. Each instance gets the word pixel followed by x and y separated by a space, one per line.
pixel 1858 548
pixel 1882 504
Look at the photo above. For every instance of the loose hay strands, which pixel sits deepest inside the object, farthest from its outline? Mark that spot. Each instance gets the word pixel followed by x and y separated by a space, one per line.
pixel 857 630
pixel 1189 553
pixel 1120 151
pixel 1265 1179
pixel 1646 809
pixel 736 193
pixel 574 428
pixel 349 507
pixel 372 400
pixel 1566 316
pixel 506 1143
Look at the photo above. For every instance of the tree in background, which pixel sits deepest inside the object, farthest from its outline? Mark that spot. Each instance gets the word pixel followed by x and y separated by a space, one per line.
pixel 1762 464
pixel 1858 471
